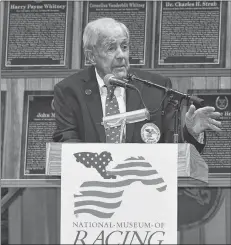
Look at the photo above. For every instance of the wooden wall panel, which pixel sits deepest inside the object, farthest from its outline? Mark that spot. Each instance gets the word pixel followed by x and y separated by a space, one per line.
pixel 191 236
pixel 225 83
pixel 13 129
pixel 77 35
pixel 212 82
pixel 215 230
pixel 15 222
pixel 40 207
pixel 228 214
pixel 228 38
pixel 3 84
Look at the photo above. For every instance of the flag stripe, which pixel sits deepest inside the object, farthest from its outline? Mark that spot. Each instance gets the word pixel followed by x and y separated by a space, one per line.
pixel 152 181
pixel 163 188
pixel 98 204
pixel 133 164
pixel 133 172
pixel 95 213
pixel 100 199
pixel 100 194
pixel 121 183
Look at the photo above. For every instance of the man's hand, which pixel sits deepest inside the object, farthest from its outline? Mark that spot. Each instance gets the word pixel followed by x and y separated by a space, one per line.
pixel 197 121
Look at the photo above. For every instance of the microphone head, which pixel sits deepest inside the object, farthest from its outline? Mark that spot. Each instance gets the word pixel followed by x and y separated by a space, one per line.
pixel 107 78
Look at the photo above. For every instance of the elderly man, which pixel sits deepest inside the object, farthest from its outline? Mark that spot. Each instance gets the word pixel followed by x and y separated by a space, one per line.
pixel 82 100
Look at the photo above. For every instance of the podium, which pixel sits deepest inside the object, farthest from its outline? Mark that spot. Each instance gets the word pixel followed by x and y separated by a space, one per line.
pixel 191 171
pixel 191 167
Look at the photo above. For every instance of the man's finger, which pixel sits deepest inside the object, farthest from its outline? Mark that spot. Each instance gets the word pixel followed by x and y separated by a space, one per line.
pixel 206 109
pixel 191 110
pixel 213 127
pixel 215 114
pixel 214 122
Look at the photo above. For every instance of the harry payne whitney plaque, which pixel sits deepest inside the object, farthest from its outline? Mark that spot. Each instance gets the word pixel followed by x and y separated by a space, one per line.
pixel 36 33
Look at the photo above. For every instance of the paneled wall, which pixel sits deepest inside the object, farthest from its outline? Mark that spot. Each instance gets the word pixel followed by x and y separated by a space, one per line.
pixel 34 217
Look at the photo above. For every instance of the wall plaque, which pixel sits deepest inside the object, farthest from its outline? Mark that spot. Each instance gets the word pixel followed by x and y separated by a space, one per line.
pixel 133 14
pixel 36 33
pixel 217 152
pixel 39 125
pixel 190 32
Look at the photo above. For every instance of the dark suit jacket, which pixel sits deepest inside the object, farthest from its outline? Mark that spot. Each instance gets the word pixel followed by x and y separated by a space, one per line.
pixel 79 113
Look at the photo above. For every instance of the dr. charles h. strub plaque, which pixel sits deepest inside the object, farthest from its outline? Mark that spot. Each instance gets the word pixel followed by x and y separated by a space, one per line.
pixel 190 32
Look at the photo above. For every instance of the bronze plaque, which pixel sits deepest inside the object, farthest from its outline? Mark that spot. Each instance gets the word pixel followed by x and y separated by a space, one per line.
pixel 36 33
pixel 217 152
pixel 190 32
pixel 133 14
pixel 39 125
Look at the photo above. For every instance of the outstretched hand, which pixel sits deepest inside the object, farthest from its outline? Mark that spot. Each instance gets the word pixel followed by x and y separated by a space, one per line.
pixel 197 121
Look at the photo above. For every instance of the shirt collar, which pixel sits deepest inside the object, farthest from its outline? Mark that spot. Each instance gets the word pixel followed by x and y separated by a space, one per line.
pixel 118 91
pixel 99 80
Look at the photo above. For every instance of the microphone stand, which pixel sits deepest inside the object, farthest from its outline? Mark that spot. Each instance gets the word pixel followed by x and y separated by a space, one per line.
pixel 188 97
pixel 170 91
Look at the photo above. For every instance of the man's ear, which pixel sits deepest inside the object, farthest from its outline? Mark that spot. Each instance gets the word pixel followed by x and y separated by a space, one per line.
pixel 90 56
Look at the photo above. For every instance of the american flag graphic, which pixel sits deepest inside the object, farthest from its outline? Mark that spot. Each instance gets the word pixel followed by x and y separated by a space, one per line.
pixel 102 198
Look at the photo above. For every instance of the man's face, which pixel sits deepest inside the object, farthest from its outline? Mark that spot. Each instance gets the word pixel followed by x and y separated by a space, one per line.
pixel 111 53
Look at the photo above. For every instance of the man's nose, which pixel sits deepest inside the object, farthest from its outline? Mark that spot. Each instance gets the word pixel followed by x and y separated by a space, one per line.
pixel 120 53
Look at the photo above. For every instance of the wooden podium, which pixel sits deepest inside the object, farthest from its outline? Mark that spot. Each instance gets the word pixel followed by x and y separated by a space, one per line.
pixel 192 169
pixel 44 192
pixel 191 166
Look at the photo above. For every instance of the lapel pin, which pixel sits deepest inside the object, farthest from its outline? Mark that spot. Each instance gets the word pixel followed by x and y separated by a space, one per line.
pixel 88 91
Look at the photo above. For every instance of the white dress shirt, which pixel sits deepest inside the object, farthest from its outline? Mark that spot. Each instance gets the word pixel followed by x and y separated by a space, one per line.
pixel 119 93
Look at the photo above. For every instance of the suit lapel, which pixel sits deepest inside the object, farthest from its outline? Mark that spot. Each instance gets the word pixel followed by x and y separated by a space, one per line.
pixel 133 102
pixel 93 100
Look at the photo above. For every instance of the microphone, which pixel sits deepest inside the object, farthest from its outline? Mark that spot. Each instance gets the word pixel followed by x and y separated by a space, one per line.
pixel 196 100
pixel 111 80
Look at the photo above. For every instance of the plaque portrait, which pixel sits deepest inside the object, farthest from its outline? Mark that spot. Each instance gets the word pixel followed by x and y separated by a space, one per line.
pixel 38 127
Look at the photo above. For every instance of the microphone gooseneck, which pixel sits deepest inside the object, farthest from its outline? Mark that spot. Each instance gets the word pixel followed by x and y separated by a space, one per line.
pixel 195 99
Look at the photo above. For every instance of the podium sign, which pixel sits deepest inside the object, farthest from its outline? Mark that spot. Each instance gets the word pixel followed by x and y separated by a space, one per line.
pixel 119 194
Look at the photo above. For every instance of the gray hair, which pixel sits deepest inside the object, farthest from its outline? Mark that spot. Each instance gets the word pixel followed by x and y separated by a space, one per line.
pixel 94 28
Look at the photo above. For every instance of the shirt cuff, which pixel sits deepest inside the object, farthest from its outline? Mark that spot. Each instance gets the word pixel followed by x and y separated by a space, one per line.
pixel 201 138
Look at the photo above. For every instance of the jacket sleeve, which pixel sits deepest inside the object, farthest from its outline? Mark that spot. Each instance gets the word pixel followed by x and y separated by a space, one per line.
pixel 66 124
